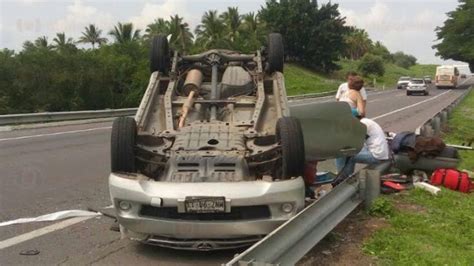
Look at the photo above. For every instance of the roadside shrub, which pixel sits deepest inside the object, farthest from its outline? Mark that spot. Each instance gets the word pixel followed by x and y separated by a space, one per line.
pixel 371 65
pixel 381 207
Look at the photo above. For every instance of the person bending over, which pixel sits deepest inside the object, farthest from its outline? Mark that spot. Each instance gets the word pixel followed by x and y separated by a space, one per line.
pixel 375 150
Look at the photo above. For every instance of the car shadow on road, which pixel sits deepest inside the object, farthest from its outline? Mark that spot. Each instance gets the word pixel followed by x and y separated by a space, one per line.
pixel 185 257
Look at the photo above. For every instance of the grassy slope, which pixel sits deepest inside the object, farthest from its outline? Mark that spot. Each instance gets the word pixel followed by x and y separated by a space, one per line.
pixel 392 72
pixel 439 230
pixel 300 80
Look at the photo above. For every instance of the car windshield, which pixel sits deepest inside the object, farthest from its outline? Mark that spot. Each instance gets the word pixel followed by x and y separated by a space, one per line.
pixel 417 81
pixel 404 78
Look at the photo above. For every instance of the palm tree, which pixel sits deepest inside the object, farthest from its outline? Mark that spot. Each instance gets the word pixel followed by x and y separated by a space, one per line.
pixel 62 42
pixel 358 43
pixel 92 35
pixel 159 26
pixel 42 43
pixel 123 33
pixel 181 36
pixel 250 22
pixel 211 30
pixel 232 21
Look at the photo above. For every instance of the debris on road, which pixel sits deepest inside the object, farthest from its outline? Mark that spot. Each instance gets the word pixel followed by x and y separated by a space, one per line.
pixel 425 186
pixel 52 217
pixel 30 252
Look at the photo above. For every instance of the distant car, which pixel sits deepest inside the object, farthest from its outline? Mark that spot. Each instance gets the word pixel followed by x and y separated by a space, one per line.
pixel 417 86
pixel 427 79
pixel 463 76
pixel 403 82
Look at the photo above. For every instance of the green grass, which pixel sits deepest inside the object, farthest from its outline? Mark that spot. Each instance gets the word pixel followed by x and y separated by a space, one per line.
pixel 440 229
pixel 461 129
pixel 299 80
pixel 441 232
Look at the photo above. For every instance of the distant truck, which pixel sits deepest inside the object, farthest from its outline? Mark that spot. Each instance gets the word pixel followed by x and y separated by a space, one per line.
pixel 446 77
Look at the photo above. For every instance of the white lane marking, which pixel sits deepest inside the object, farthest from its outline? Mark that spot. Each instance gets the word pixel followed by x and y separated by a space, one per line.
pixel 42 231
pixel 409 106
pixel 374 100
pixel 55 134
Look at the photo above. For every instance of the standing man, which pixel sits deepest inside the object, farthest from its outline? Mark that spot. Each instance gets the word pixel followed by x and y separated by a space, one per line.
pixel 344 88
pixel 375 150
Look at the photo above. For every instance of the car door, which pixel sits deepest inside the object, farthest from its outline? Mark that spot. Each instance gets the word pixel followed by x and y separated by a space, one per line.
pixel 329 130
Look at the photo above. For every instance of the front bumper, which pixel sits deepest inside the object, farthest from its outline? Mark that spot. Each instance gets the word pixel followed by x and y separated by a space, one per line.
pixel 149 200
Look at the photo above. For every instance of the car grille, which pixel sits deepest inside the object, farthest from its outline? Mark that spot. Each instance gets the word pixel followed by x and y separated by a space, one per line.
pixel 202 244
pixel 236 213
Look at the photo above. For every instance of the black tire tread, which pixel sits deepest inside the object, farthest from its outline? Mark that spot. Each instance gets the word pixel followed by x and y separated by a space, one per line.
pixel 290 136
pixel 159 54
pixel 122 148
pixel 275 52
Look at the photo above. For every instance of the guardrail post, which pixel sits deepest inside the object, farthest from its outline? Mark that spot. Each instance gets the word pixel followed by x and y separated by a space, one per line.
pixel 370 184
pixel 443 118
pixel 436 125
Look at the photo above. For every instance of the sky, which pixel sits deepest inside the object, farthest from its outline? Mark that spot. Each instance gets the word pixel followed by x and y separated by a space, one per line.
pixel 404 25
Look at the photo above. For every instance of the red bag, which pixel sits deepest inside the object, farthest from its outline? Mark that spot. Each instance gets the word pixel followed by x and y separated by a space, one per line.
pixel 452 179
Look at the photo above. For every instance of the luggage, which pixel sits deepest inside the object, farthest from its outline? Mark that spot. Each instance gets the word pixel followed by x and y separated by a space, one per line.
pixel 452 179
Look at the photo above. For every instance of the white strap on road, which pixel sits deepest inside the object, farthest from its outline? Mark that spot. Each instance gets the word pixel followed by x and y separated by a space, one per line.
pixel 52 217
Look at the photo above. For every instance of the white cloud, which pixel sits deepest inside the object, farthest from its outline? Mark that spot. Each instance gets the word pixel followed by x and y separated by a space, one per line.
pixel 152 11
pixel 408 30
pixel 79 16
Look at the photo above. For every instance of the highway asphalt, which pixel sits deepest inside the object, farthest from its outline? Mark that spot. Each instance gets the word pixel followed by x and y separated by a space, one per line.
pixel 60 168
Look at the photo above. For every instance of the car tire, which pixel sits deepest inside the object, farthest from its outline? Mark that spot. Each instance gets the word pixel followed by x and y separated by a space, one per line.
pixel 426 93
pixel 408 93
pixel 122 148
pixel 159 54
pixel 275 53
pixel 290 136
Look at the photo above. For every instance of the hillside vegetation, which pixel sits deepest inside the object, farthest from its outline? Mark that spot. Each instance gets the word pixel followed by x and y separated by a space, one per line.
pixel 300 80
pixel 391 75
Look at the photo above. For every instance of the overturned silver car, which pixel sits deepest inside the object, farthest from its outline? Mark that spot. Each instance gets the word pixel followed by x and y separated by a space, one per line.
pixel 213 159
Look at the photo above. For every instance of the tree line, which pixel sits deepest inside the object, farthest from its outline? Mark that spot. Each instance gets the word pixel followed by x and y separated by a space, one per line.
pixel 109 69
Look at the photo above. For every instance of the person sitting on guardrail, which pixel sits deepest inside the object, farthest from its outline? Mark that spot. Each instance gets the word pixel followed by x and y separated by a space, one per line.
pixel 353 96
pixel 344 87
pixel 375 150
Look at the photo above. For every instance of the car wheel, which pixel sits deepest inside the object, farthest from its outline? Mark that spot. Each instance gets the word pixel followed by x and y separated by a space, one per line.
pixel 122 148
pixel 408 93
pixel 290 136
pixel 426 93
pixel 275 52
pixel 160 54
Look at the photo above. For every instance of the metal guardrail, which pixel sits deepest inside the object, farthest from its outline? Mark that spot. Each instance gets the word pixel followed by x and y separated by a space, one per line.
pixel 434 125
pixel 287 244
pixel 63 116
pixel 15 119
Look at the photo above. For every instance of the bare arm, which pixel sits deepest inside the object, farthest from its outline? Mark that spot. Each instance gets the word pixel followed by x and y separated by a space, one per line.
pixel 360 105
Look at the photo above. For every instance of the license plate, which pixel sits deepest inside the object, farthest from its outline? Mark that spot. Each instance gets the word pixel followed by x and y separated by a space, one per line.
pixel 204 204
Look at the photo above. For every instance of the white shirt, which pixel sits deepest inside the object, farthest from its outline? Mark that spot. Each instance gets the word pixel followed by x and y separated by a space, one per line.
pixel 376 143
pixel 342 92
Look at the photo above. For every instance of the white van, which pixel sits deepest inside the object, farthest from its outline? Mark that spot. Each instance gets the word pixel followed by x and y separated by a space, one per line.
pixel 446 77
